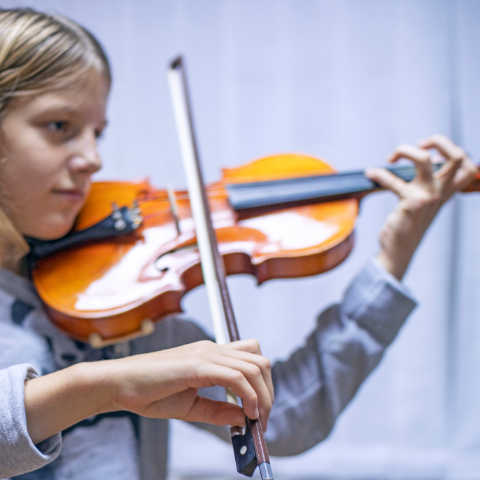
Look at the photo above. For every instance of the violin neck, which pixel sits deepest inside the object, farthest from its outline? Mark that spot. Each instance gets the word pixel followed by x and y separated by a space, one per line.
pixel 249 199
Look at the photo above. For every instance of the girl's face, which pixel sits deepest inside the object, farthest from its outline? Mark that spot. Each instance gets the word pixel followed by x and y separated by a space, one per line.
pixel 48 153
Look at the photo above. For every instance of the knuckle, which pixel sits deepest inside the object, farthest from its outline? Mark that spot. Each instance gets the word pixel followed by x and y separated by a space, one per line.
pixel 438 137
pixel 403 147
pixel 265 363
pixel 237 377
pixel 201 350
pixel 424 156
pixel 197 351
pixel 457 155
pixel 254 370
pixel 425 200
pixel 252 396
pixel 200 347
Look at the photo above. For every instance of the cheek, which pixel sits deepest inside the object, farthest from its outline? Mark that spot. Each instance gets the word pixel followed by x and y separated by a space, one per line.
pixel 28 146
pixel 29 202
pixel 29 169
pixel 25 186
pixel 20 181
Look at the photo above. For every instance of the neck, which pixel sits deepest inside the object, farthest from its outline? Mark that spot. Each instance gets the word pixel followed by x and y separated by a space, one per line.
pixel 249 199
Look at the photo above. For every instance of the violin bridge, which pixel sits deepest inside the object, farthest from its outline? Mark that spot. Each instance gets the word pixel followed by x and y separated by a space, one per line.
pixel 174 207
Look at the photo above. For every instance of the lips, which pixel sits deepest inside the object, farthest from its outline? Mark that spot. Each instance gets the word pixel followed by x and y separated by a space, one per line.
pixel 70 194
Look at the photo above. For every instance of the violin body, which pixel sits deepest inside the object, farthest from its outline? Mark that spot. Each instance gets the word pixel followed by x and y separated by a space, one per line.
pixel 108 291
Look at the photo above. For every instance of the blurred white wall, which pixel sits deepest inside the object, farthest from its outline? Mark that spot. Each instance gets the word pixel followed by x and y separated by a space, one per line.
pixel 346 80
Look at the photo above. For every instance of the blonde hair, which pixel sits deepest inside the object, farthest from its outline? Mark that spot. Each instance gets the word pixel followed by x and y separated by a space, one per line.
pixel 40 53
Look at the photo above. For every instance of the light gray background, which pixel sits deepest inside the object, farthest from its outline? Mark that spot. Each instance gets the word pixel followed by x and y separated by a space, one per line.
pixel 346 80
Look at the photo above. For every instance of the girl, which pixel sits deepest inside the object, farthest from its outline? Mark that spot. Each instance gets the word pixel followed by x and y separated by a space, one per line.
pixel 54 83
pixel 54 86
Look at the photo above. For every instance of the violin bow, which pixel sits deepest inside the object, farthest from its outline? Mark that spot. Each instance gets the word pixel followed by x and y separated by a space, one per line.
pixel 249 444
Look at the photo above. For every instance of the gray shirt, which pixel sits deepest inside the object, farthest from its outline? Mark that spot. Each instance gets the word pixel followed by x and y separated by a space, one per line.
pixel 312 387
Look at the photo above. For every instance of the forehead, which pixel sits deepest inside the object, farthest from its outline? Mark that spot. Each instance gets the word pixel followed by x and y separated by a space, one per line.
pixel 88 98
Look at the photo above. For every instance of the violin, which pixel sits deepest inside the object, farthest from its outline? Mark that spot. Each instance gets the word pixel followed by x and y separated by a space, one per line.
pixel 132 254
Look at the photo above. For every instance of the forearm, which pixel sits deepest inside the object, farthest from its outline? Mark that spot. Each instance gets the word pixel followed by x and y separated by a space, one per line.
pixel 159 384
pixel 315 384
pixel 56 401
pixel 401 234
pixel 396 253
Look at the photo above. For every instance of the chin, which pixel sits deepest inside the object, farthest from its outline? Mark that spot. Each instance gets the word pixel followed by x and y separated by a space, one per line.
pixel 51 230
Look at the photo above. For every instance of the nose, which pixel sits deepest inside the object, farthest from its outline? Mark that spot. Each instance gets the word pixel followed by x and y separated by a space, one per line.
pixel 85 157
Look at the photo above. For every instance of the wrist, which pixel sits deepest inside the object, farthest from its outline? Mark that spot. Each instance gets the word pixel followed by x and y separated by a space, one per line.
pixel 57 401
pixel 396 266
pixel 95 385
pixel 397 248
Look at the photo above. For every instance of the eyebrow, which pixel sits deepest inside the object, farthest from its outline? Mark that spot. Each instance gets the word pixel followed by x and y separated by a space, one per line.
pixel 60 106
pixel 53 110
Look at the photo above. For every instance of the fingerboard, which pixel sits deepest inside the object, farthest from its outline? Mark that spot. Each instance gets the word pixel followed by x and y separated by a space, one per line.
pixel 270 195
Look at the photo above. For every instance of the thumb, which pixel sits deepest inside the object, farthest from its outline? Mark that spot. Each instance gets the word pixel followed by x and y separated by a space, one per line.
pixel 215 412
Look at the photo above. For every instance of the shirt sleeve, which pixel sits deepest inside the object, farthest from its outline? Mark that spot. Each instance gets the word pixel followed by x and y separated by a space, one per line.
pixel 18 454
pixel 314 385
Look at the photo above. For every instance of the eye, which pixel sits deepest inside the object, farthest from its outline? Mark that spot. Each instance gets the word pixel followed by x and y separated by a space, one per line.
pixel 58 126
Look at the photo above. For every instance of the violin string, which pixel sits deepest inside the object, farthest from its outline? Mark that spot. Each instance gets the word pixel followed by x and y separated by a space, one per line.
pixel 215 192
pixel 212 192
pixel 219 192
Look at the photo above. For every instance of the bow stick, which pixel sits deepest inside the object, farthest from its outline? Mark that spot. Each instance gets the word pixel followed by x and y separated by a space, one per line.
pixel 249 446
